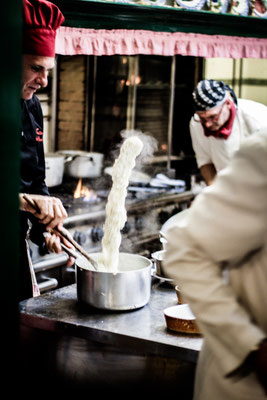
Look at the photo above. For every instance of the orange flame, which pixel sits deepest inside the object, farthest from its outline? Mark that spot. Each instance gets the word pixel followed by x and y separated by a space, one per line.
pixel 84 192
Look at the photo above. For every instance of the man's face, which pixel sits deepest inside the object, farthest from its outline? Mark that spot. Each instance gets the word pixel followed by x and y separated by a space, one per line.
pixel 214 119
pixel 34 74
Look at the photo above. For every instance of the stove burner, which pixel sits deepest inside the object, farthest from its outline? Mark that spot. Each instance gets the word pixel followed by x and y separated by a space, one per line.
pixel 101 187
pixel 65 192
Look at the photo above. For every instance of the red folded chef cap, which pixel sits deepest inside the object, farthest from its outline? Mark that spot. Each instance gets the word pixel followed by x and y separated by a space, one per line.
pixel 41 20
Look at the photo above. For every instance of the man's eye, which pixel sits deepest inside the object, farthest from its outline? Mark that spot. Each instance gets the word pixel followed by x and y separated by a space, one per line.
pixel 35 69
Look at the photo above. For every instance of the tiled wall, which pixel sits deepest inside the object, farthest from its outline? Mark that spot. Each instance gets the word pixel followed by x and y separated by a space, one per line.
pixel 71 103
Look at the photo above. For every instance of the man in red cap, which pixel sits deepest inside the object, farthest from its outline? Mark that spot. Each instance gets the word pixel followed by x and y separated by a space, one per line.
pixel 41 20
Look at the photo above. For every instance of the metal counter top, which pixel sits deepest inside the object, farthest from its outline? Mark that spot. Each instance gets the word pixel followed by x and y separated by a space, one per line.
pixel 142 330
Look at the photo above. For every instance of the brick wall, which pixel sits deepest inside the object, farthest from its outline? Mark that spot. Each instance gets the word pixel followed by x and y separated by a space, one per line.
pixel 71 103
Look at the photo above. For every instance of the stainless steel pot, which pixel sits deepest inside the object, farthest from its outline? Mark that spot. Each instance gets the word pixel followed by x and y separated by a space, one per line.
pixel 54 169
pixel 158 258
pixel 128 289
pixel 82 164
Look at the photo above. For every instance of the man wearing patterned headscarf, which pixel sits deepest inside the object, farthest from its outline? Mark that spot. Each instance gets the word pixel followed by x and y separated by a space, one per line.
pixel 41 20
pixel 219 125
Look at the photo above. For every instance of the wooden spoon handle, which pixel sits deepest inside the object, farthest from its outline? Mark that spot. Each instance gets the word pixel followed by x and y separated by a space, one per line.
pixel 63 233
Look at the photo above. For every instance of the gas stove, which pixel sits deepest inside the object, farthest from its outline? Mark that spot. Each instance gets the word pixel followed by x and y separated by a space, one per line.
pixel 147 210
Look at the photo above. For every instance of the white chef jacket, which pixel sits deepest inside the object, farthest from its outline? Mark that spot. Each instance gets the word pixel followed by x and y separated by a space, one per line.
pixel 225 231
pixel 250 118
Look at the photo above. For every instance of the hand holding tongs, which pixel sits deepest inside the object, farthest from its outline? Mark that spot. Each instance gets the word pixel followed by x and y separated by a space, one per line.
pixel 64 233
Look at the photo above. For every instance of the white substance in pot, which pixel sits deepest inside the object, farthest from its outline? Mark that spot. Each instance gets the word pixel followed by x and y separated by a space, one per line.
pixel 116 214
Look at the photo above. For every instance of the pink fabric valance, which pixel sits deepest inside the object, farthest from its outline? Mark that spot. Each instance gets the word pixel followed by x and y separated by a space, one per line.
pixel 74 41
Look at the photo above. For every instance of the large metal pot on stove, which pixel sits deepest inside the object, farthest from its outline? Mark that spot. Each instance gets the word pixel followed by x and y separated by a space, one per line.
pixel 82 164
pixel 128 289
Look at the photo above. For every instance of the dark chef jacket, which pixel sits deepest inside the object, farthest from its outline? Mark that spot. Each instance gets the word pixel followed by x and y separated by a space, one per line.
pixel 32 181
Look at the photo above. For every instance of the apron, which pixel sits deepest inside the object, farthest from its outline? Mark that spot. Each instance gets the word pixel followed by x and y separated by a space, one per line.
pixel 32 181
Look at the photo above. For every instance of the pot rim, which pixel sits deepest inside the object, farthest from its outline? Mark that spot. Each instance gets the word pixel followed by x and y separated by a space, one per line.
pixel 72 153
pixel 53 155
pixel 149 266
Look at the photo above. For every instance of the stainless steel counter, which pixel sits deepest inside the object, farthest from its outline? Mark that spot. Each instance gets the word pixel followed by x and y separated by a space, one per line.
pixel 86 346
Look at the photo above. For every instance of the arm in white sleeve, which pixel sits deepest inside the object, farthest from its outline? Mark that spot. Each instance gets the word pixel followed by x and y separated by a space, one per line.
pixel 226 222
pixel 198 143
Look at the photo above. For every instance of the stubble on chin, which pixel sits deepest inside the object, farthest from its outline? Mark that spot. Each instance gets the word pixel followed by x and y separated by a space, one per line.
pixel 27 95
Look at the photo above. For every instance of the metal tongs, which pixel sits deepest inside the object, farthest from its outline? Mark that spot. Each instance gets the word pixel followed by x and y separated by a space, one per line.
pixel 64 233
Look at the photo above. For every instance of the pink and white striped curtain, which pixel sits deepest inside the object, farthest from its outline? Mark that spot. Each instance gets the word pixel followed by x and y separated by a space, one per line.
pixel 74 41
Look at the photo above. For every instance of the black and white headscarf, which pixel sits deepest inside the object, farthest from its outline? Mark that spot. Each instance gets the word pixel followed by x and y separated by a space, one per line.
pixel 210 93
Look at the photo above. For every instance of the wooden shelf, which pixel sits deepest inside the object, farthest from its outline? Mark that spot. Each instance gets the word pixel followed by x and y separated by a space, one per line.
pixel 110 15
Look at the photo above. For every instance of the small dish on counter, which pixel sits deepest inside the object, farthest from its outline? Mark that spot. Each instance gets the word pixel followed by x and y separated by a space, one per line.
pixel 181 319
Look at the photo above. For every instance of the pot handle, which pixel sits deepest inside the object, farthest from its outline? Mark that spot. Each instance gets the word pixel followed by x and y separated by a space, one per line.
pixel 90 158
pixel 71 158
pixel 68 159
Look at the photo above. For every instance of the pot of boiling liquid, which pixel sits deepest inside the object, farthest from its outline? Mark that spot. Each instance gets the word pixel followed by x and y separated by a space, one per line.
pixel 82 164
pixel 129 288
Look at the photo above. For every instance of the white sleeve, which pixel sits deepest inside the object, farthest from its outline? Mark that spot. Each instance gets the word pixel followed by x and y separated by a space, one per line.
pixel 198 143
pixel 225 223
pixel 253 114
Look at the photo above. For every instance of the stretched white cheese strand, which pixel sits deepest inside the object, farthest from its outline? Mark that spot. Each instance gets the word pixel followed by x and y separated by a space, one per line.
pixel 116 214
